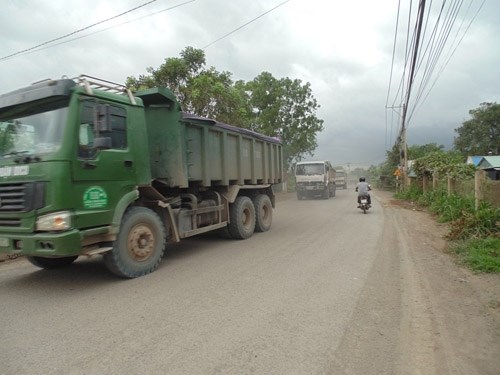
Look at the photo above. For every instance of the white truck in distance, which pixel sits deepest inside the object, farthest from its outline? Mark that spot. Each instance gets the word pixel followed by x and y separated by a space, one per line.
pixel 340 177
pixel 315 178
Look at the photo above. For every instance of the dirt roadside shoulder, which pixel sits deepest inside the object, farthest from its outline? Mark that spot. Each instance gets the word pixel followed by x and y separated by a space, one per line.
pixel 464 314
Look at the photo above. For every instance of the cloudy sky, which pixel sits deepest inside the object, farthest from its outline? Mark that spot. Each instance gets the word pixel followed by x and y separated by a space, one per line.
pixel 343 48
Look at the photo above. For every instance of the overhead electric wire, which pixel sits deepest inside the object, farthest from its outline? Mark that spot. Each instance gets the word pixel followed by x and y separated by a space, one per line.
pixel 446 29
pixel 452 52
pixel 75 32
pixel 449 21
pixel 390 74
pixel 427 51
pixel 393 53
pixel 108 28
pixel 245 24
pixel 401 87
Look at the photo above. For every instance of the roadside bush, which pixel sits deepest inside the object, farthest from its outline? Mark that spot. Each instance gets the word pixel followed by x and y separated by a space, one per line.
pixel 480 223
pixel 411 194
pixel 479 254
pixel 475 233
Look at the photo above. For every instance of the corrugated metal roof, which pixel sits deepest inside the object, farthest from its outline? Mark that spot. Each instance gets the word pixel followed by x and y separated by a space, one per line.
pixel 488 162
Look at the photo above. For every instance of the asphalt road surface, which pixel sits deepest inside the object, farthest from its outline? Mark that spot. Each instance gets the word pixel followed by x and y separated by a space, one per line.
pixel 327 290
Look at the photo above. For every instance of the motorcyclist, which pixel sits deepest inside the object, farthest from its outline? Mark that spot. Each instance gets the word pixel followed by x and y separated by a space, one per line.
pixel 363 189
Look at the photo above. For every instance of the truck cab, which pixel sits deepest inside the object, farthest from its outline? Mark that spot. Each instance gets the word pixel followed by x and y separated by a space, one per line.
pixel 315 178
pixel 340 177
pixel 71 158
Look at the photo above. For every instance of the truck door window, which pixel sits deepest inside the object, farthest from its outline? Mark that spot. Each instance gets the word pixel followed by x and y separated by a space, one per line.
pixel 118 130
pixel 87 131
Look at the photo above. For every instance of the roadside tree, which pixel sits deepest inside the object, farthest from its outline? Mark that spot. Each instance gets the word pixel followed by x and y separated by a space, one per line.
pixel 481 134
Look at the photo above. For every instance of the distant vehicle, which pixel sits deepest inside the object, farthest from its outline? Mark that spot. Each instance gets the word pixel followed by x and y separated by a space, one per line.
pixel 340 177
pixel 315 178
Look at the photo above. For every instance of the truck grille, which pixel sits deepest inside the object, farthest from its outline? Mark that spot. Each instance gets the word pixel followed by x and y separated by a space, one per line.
pixel 21 197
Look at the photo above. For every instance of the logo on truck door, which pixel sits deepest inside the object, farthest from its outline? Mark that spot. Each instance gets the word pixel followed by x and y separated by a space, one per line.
pixel 95 197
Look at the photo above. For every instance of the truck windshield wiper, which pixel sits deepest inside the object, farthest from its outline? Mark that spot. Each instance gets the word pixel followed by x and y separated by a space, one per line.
pixel 22 159
pixel 15 153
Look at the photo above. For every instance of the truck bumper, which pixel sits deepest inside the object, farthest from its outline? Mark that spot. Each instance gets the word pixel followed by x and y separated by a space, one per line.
pixel 311 189
pixel 42 244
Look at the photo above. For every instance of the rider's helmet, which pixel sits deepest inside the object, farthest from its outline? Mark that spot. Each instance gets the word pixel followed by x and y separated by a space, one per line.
pixel 361 179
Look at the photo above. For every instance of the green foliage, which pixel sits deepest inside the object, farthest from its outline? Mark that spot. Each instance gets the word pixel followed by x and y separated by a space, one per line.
pixel 419 151
pixel 412 194
pixel 6 138
pixel 483 222
pixel 448 164
pixel 480 254
pixel 393 158
pixel 286 108
pixel 276 107
pixel 481 134
pixel 478 231
pixel 449 207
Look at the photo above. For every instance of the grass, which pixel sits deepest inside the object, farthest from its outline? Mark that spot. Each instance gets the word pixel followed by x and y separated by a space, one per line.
pixel 481 254
pixel 475 234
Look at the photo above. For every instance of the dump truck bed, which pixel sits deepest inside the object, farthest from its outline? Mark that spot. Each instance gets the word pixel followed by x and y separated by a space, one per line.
pixel 188 150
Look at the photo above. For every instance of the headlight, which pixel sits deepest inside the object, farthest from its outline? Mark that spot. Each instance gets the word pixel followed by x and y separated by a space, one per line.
pixel 56 221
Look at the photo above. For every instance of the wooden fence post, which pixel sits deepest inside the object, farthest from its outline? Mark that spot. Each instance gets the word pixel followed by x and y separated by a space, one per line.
pixel 451 185
pixel 425 184
pixel 435 181
pixel 479 180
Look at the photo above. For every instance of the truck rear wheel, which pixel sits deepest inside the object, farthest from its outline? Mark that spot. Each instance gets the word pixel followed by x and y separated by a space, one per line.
pixel 326 192
pixel 263 213
pixel 334 190
pixel 139 246
pixel 51 263
pixel 242 218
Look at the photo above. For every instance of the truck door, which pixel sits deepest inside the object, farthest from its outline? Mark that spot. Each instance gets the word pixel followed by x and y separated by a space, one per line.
pixel 104 169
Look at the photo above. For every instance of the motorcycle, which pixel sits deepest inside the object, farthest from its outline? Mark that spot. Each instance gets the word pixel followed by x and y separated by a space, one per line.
pixel 364 205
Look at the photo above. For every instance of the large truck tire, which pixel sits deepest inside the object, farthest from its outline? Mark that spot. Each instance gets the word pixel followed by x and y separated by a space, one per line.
pixel 326 193
pixel 263 213
pixel 242 218
pixel 51 263
pixel 140 244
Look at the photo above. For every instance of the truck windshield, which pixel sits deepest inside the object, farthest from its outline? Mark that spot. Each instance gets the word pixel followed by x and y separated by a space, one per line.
pixel 309 169
pixel 38 133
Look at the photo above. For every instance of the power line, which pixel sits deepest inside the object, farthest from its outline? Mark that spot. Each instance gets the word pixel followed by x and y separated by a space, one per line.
pixel 393 53
pixel 419 103
pixel 108 28
pixel 75 32
pixel 246 24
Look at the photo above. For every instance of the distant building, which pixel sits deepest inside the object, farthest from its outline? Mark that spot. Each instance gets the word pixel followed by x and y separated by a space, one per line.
pixel 475 160
pixel 491 165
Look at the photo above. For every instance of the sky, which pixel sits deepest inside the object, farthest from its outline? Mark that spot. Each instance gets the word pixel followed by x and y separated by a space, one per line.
pixel 351 52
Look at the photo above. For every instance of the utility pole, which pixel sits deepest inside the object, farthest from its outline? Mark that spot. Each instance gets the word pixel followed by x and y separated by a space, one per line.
pixel 403 154
pixel 411 77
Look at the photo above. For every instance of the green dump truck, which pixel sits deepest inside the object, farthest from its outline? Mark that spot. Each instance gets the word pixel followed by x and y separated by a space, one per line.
pixel 89 168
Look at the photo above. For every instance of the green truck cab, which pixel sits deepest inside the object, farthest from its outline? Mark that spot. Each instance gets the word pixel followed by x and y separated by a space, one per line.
pixel 87 168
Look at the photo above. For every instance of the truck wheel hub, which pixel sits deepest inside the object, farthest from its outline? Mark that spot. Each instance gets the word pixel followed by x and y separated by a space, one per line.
pixel 141 243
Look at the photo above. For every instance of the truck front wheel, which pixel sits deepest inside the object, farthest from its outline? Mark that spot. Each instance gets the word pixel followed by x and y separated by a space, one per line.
pixel 263 213
pixel 51 263
pixel 242 218
pixel 139 246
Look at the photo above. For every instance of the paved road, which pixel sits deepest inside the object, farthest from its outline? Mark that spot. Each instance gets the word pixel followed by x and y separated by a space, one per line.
pixel 318 294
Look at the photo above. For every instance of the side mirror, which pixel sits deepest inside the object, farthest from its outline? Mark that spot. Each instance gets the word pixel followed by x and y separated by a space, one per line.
pixel 102 143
